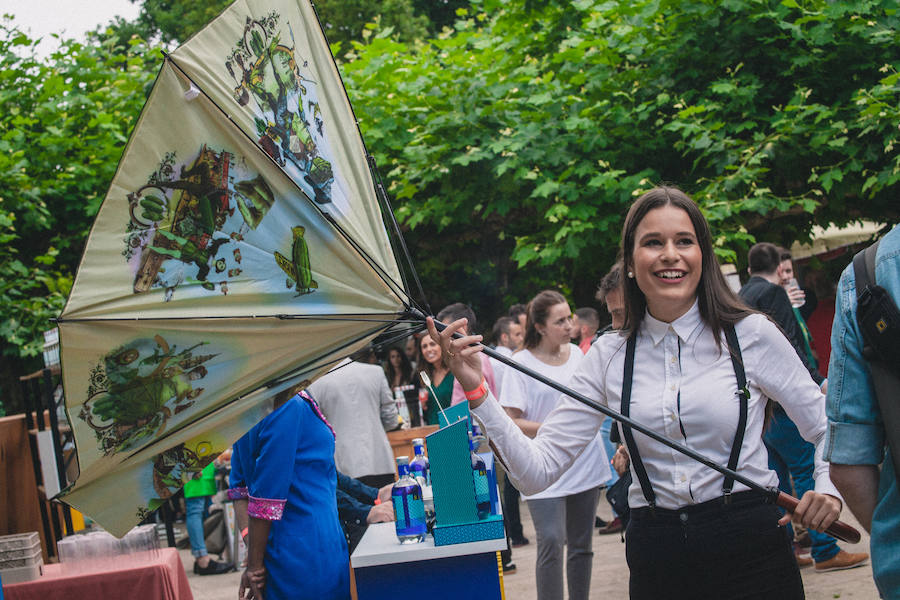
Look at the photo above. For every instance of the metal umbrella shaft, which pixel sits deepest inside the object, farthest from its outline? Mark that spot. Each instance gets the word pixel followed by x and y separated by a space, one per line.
pixel 838 529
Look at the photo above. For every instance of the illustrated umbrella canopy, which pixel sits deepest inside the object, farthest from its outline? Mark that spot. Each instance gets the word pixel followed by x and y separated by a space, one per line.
pixel 241 249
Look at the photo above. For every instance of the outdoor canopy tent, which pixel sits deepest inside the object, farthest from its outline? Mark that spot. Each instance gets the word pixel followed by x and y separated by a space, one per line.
pixel 833 237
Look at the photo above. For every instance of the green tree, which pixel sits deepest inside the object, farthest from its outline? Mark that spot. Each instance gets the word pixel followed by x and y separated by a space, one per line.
pixel 64 121
pixel 177 20
pixel 516 142
pixel 343 21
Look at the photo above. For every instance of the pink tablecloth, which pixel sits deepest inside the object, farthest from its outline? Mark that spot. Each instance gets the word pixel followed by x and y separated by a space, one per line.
pixel 156 578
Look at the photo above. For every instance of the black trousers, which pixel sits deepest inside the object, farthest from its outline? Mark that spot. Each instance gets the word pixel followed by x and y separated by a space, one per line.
pixel 712 550
pixel 511 517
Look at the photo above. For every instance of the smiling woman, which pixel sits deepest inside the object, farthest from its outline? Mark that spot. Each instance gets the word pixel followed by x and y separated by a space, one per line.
pixel 697 366
pixel 431 361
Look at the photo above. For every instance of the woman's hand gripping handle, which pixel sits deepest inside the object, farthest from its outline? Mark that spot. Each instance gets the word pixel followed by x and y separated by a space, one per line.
pixel 815 513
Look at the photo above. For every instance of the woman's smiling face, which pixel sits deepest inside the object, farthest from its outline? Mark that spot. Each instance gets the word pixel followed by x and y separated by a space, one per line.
pixel 667 262
pixel 431 352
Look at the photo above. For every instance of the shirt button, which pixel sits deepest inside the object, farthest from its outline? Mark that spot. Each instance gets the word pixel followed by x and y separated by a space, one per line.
pixel 672 387
pixel 683 478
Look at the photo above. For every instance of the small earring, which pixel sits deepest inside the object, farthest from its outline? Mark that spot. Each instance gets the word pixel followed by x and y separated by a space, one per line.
pixel 631 274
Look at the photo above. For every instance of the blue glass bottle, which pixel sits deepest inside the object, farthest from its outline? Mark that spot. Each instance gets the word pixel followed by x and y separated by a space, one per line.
pixel 482 487
pixel 478 437
pixel 418 466
pixel 409 507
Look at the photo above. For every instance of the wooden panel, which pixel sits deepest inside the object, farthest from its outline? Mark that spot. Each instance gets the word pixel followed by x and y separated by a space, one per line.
pixel 19 499
pixel 401 440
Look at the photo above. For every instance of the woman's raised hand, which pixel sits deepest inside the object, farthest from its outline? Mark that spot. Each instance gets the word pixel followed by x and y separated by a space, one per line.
pixel 463 354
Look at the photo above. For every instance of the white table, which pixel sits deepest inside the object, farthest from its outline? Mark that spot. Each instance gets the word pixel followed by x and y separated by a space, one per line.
pixel 384 567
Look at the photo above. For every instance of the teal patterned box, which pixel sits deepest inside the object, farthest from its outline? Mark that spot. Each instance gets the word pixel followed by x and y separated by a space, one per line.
pixel 451 475
pixel 454 493
pixel 455 413
pixel 489 528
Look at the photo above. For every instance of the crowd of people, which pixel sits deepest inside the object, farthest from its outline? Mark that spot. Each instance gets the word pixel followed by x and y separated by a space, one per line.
pixel 732 374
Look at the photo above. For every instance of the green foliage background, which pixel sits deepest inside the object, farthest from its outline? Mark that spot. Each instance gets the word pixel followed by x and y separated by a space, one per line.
pixel 528 130
pixel 64 121
pixel 512 134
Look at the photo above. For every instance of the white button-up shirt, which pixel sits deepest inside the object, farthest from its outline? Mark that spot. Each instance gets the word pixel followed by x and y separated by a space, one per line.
pixel 684 387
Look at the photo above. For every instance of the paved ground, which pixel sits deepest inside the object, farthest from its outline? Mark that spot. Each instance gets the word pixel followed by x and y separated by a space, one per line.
pixel 610 574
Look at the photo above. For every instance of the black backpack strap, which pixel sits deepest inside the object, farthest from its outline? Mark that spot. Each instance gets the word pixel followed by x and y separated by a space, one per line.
pixel 743 393
pixel 625 409
pixel 864 269
pixel 877 315
pixel 864 277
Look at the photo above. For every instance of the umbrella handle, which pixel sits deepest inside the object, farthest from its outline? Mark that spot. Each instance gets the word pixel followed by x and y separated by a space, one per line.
pixel 838 529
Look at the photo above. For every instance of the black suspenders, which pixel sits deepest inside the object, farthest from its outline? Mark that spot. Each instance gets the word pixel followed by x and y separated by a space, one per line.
pixel 743 396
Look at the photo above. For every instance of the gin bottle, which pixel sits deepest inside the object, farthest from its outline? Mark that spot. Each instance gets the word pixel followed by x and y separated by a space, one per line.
pixel 480 478
pixel 418 466
pixel 409 507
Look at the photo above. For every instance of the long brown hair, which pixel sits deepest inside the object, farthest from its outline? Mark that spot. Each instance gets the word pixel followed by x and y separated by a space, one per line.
pixel 405 366
pixel 536 312
pixel 719 306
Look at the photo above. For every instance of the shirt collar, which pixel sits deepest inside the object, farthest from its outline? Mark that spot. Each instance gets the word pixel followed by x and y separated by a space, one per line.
pixel 683 326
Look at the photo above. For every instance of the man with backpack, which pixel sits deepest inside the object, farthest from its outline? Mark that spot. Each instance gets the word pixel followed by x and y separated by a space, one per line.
pixel 864 403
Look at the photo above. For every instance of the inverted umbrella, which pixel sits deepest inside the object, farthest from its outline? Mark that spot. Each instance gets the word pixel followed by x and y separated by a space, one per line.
pixel 240 249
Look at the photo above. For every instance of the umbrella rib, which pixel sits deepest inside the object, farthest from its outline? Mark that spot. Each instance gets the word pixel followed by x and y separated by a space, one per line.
pixel 360 317
pixel 400 335
pixel 382 192
pixel 387 279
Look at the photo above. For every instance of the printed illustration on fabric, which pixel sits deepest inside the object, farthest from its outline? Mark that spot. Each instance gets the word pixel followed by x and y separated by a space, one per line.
pixel 187 222
pixel 138 387
pixel 176 466
pixel 269 79
pixel 297 267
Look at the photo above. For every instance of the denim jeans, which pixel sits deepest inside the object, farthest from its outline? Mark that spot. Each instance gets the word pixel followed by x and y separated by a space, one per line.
pixel 194 509
pixel 790 456
pixel 609 447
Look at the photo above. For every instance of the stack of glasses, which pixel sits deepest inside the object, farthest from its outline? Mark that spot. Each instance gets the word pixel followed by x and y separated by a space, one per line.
pixel 94 551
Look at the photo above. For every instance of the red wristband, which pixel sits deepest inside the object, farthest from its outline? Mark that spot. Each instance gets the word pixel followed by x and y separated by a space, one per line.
pixel 244 532
pixel 377 501
pixel 479 392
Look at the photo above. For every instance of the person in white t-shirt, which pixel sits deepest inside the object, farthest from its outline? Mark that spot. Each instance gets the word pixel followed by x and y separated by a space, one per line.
pixel 563 514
